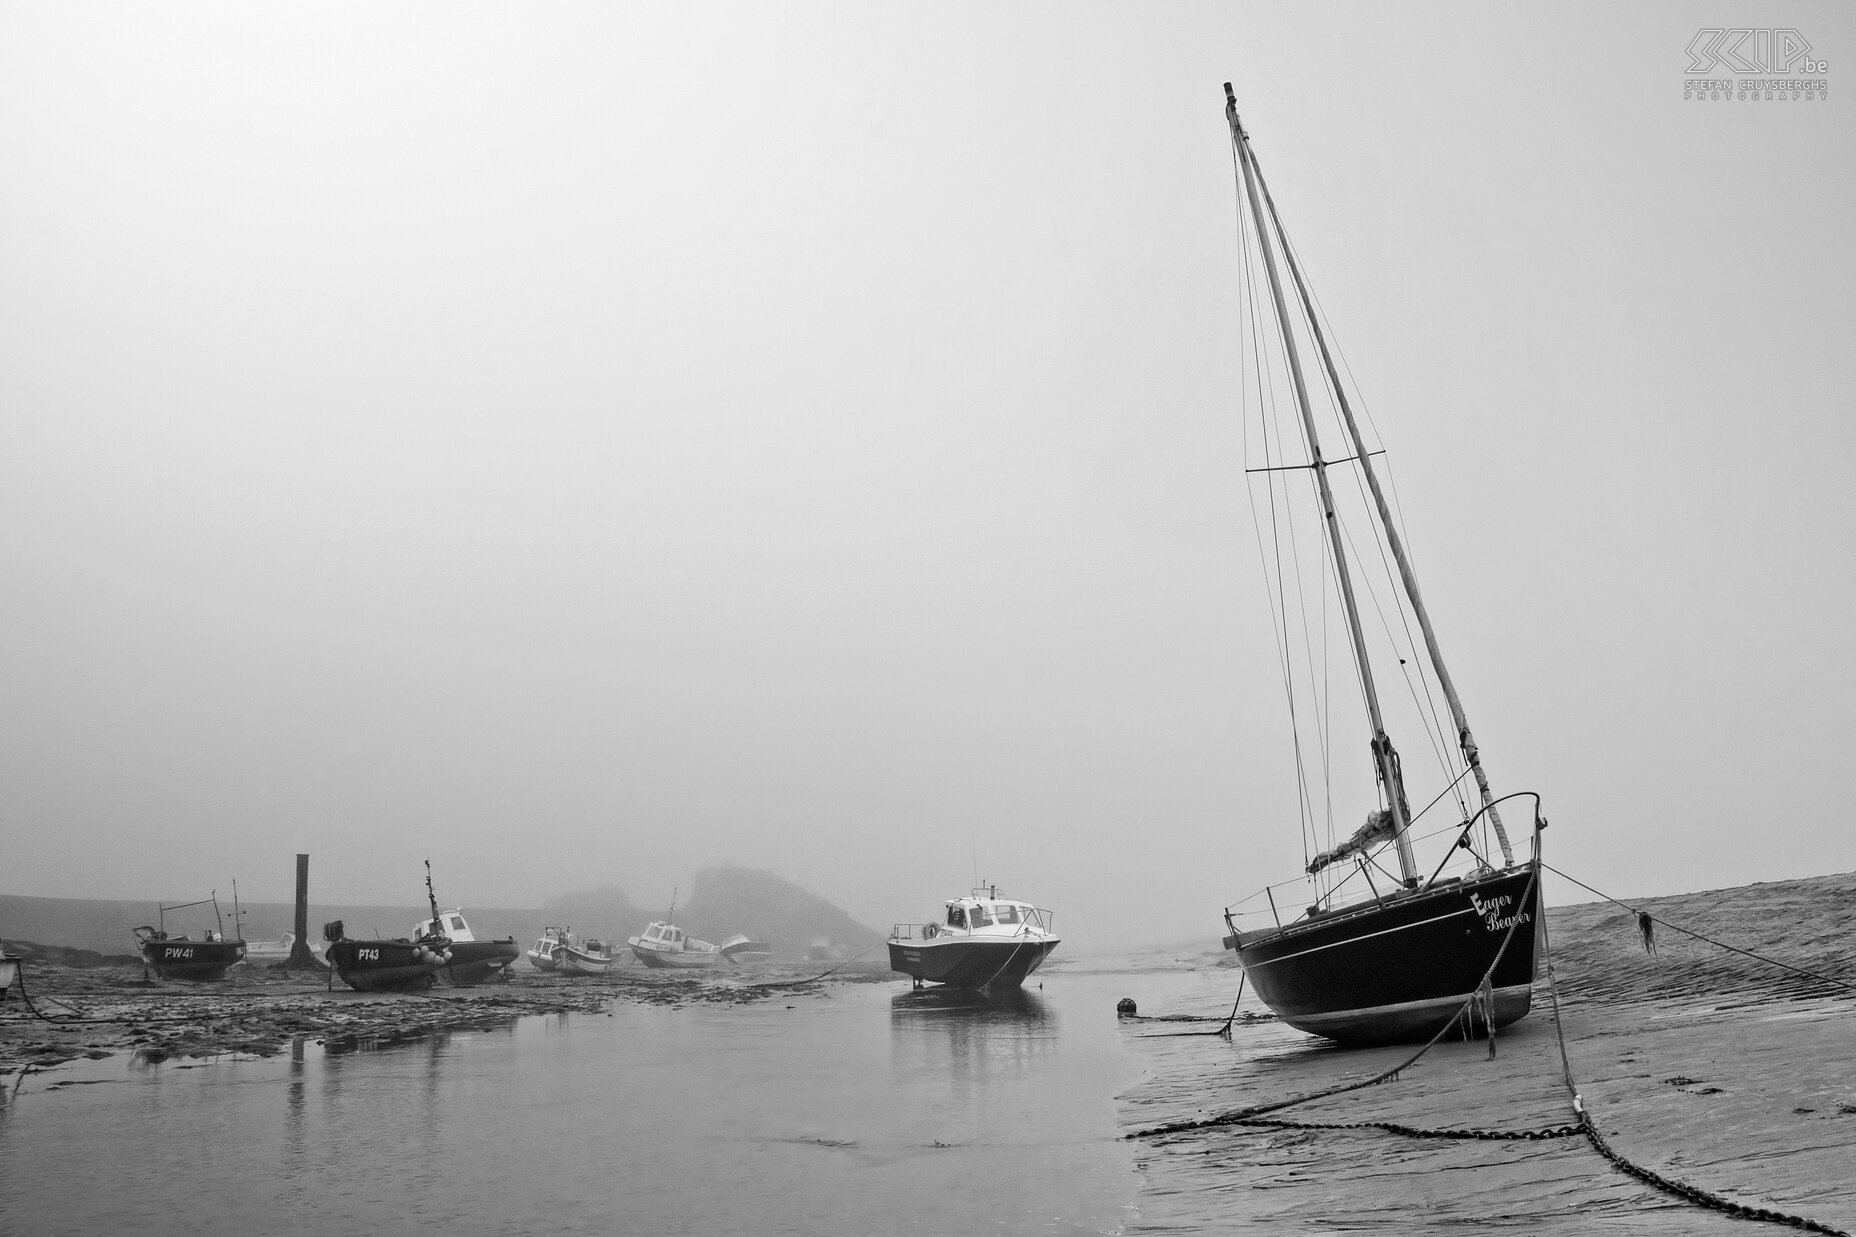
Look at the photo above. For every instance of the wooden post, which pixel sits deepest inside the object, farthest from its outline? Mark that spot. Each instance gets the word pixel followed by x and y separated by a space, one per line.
pixel 300 953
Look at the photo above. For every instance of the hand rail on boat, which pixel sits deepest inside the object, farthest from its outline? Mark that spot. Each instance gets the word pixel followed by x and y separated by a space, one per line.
pixel 1540 822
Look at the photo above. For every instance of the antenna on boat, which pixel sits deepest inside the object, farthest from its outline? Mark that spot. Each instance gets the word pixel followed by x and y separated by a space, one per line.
pixel 238 928
pixel 431 896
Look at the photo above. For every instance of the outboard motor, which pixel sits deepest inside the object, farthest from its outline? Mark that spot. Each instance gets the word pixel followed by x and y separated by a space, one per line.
pixel 332 931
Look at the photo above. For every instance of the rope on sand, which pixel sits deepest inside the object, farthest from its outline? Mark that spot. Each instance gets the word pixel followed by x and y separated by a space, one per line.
pixel 1224 1031
pixel 1645 915
pixel 129 1019
pixel 1669 1185
pixel 796 983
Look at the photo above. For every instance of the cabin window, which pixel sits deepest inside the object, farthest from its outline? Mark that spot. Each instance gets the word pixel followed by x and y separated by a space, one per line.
pixel 954 918
pixel 979 916
pixel 457 923
pixel 1007 914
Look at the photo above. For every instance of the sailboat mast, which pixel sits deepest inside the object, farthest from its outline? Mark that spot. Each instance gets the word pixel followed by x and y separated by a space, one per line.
pixel 1465 740
pixel 1384 758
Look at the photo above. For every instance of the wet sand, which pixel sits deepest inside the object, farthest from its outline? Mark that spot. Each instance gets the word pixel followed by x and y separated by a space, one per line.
pixel 1698 1064
pixel 258 1011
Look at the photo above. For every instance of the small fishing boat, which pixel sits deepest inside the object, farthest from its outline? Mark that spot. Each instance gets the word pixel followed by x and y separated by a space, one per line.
pixel 546 953
pixel 472 961
pixel 385 965
pixel 401 963
pixel 983 941
pixel 743 951
pixel 592 956
pixel 179 956
pixel 1382 953
pixel 665 945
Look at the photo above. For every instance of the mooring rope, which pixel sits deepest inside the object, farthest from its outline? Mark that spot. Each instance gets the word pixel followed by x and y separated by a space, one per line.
pixel 795 983
pixel 1224 1030
pixel 135 1019
pixel 1838 983
pixel 1669 1185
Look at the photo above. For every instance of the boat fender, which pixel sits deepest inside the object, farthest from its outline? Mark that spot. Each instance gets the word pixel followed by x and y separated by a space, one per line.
pixel 1124 1008
pixel 332 931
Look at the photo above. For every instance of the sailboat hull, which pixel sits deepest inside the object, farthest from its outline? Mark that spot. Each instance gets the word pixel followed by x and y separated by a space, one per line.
pixel 1399 969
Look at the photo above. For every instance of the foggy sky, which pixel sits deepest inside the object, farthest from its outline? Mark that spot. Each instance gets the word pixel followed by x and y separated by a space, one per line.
pixel 586 443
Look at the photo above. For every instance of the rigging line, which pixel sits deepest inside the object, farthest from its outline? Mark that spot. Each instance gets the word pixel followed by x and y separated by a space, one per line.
pixel 1266 401
pixel 1279 600
pixel 1837 983
pixel 1321 700
pixel 1423 704
pixel 1426 707
pixel 1360 399
pixel 1347 459
pixel 1366 581
pixel 1331 383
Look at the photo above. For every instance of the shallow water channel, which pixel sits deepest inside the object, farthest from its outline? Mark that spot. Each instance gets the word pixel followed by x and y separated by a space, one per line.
pixel 851 1108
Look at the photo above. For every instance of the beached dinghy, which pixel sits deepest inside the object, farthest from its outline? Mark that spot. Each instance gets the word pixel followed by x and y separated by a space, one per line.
pixel 983 941
pixel 1380 954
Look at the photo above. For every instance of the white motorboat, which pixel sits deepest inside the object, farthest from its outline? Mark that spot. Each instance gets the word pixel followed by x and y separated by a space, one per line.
pixel 984 941
pixel 663 944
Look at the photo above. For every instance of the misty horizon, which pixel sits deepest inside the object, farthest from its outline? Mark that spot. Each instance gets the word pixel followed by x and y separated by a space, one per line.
pixel 583 446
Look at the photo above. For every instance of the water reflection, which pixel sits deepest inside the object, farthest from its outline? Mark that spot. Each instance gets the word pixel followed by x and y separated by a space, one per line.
pixel 972 1038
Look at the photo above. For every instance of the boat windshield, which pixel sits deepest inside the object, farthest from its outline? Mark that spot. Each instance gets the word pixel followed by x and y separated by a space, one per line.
pixel 980 916
pixel 955 919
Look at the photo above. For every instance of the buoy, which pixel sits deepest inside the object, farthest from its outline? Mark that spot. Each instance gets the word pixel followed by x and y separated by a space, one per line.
pixel 1124 1008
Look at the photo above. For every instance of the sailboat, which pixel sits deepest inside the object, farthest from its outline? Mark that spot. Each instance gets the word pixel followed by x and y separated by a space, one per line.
pixel 1386 951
